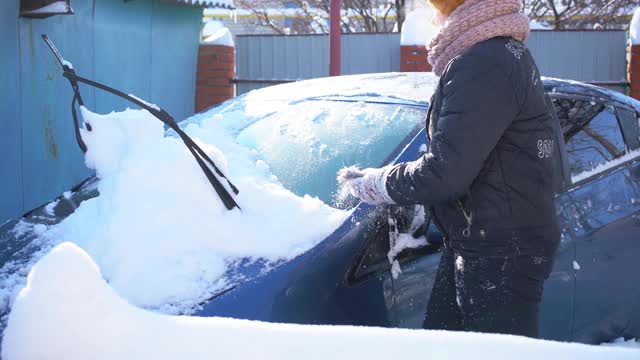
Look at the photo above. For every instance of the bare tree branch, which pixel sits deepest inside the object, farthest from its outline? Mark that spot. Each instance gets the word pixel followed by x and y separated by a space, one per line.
pixel 312 16
pixel 581 14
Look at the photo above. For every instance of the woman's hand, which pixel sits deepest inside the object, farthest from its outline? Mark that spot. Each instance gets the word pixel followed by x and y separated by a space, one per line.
pixel 368 185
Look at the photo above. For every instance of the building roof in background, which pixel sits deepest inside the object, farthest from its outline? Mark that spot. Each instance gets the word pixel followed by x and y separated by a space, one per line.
pixel 223 4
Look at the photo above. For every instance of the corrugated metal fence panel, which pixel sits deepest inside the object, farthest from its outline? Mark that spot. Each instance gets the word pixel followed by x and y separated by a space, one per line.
pixel 143 47
pixel 370 53
pixel 269 57
pixel 10 138
pixel 280 57
pixel 578 55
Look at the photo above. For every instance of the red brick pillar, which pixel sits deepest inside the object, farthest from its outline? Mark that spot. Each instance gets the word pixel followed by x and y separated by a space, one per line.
pixel 216 70
pixel 633 71
pixel 414 58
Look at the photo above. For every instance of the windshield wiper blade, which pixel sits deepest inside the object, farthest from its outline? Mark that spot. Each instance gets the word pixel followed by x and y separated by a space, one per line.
pixel 203 160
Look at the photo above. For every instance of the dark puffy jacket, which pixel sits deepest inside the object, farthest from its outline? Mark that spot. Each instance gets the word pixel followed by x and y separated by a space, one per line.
pixel 488 173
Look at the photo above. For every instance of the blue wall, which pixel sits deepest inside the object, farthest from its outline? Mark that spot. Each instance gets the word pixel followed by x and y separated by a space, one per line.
pixel 144 47
pixel 10 129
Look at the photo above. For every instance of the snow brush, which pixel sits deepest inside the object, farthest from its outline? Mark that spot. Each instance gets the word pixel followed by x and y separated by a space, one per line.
pixel 201 157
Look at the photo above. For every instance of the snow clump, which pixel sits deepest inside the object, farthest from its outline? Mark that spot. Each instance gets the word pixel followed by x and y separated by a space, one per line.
pixel 215 33
pixel 634 28
pixel 418 27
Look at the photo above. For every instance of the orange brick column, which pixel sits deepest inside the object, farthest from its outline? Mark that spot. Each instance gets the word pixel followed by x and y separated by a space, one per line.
pixel 633 71
pixel 216 70
pixel 414 59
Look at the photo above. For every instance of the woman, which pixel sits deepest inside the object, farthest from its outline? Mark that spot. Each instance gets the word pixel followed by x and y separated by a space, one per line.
pixel 485 178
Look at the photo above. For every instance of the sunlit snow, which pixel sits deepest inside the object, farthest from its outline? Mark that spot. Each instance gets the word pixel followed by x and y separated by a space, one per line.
pixel 52 320
pixel 418 27
pixel 215 33
pixel 634 28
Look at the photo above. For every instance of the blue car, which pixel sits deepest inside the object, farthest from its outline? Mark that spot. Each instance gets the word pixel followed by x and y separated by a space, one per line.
pixel 358 275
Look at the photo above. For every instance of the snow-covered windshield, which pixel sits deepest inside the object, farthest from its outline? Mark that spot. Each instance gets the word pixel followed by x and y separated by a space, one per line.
pixel 306 143
pixel 160 234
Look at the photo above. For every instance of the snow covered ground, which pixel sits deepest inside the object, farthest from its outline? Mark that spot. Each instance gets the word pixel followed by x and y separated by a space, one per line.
pixel 89 321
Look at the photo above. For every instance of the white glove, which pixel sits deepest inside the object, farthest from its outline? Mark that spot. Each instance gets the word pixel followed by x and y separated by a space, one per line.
pixel 368 185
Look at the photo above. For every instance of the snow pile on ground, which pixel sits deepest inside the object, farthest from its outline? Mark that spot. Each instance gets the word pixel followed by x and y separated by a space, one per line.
pixel 158 230
pixel 215 33
pixel 418 27
pixel 634 28
pixel 53 320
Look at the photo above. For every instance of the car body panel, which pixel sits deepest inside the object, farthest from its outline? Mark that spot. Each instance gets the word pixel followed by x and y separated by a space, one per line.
pixel 607 252
pixel 311 288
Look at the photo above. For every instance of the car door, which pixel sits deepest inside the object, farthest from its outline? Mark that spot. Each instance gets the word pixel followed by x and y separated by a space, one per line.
pixel 607 199
pixel 372 265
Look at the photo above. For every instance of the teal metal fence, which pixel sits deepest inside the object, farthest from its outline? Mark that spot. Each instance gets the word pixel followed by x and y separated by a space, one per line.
pixel 143 47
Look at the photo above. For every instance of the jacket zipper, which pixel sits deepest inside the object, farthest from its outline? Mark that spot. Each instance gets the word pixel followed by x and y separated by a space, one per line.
pixel 469 217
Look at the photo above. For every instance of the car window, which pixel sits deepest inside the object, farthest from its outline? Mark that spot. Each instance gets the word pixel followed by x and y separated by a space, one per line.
pixel 306 143
pixel 592 134
pixel 630 127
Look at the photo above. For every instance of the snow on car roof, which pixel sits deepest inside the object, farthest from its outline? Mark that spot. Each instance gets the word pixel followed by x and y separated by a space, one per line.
pixel 415 87
pixel 409 88
pixel 573 87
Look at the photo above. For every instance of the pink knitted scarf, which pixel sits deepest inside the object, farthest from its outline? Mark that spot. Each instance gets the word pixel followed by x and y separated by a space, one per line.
pixel 473 22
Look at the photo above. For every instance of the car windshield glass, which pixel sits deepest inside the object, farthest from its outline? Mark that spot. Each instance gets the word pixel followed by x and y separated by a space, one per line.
pixel 306 143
